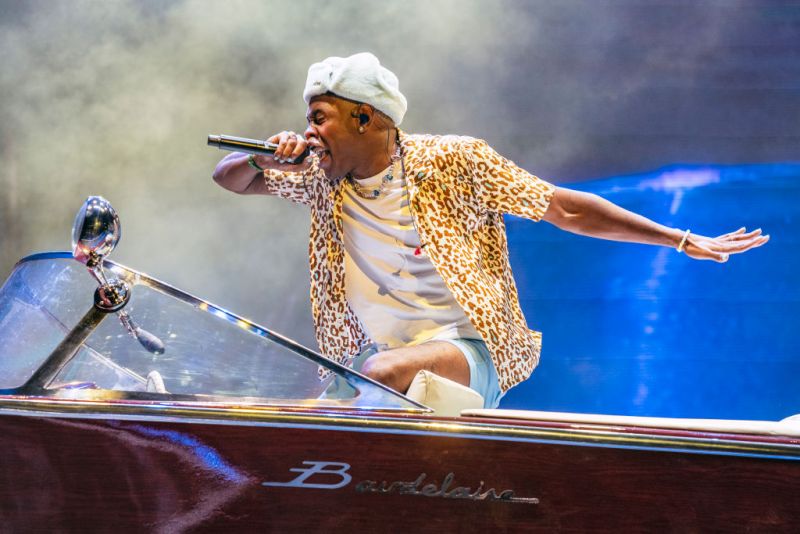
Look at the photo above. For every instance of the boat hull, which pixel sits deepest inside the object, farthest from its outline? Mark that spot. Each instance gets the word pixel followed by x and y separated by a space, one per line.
pixel 122 467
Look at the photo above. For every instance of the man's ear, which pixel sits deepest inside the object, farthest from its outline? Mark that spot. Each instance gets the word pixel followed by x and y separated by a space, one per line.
pixel 363 113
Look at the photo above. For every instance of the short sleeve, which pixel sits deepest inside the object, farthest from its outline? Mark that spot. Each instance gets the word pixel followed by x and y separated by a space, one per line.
pixel 504 187
pixel 294 186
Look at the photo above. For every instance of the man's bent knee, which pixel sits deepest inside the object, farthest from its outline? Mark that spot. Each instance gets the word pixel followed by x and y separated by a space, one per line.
pixel 396 368
pixel 388 371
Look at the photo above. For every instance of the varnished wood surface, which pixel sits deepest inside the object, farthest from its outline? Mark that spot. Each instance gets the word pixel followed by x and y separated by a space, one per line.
pixel 99 474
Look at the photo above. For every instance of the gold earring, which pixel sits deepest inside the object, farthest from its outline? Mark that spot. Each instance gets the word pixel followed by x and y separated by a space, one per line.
pixel 361 129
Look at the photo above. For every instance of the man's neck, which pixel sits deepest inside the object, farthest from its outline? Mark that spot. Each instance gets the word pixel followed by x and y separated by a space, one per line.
pixel 379 159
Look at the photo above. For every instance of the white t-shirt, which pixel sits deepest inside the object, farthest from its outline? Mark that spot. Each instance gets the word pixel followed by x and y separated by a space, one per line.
pixel 399 297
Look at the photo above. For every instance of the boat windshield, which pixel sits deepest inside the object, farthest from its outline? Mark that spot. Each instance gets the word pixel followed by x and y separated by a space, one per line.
pixel 208 353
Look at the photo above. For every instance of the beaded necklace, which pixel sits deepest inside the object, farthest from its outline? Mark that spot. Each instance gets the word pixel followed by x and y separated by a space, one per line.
pixel 368 193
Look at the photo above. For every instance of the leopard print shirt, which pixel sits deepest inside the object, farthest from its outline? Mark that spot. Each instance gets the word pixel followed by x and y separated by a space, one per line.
pixel 459 188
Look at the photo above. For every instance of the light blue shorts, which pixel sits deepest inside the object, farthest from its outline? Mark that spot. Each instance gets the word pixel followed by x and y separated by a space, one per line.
pixel 482 374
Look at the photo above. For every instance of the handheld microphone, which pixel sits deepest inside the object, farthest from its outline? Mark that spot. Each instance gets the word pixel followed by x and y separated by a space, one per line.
pixel 250 146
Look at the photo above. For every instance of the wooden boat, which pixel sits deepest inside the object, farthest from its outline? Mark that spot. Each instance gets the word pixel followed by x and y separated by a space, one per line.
pixel 213 423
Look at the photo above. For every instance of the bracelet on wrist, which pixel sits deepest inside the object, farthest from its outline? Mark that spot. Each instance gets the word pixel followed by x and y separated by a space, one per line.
pixel 685 238
pixel 252 162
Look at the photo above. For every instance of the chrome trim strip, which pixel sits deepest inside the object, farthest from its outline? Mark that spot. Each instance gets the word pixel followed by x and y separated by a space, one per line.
pixel 148 400
pixel 403 425
pixel 136 277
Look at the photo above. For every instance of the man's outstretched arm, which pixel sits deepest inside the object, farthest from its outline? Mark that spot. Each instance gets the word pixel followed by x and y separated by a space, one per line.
pixel 590 215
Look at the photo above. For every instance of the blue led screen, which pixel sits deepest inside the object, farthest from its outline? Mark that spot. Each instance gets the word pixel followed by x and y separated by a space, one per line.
pixel 641 330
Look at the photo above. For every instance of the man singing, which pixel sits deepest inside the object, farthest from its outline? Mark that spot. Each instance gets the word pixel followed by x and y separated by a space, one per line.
pixel 408 252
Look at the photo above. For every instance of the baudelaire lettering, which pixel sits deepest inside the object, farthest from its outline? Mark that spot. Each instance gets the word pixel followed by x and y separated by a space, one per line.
pixel 340 473
pixel 433 490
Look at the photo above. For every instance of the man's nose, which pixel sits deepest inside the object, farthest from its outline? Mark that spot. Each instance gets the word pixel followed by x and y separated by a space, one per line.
pixel 309 133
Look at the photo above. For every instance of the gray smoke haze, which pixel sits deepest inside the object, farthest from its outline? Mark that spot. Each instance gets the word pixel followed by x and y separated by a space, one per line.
pixel 116 98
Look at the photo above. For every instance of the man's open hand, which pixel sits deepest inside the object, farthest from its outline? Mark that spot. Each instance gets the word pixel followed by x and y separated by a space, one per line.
pixel 720 248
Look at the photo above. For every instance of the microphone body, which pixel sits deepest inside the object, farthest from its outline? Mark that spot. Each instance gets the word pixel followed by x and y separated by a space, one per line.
pixel 250 146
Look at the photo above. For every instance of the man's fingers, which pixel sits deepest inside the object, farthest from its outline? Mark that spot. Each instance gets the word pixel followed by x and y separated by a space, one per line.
pixel 299 148
pixel 756 242
pixel 729 235
pixel 748 235
pixel 290 146
pixel 741 233
pixel 735 247
pixel 746 244
pixel 285 146
pixel 288 149
pixel 286 142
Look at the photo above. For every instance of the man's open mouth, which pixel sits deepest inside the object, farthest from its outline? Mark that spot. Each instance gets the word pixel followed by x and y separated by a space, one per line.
pixel 321 153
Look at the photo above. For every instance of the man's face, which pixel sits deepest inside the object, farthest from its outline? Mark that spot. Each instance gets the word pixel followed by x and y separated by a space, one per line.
pixel 333 134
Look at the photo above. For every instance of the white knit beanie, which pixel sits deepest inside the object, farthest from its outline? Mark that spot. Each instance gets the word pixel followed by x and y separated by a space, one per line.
pixel 359 77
